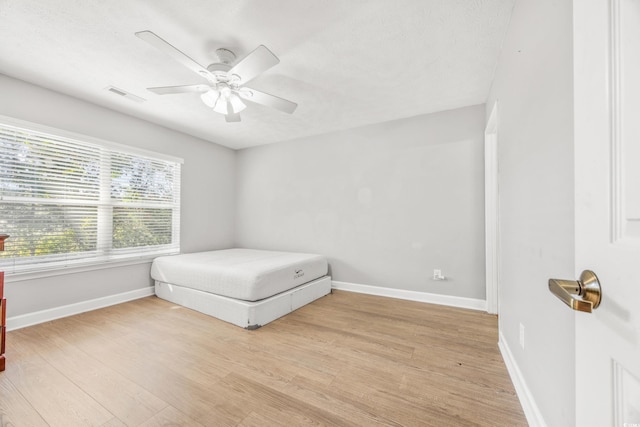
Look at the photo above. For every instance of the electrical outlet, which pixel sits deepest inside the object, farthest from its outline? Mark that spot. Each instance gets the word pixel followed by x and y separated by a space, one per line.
pixel 522 336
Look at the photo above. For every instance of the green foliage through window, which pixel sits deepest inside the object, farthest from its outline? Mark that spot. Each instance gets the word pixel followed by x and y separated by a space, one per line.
pixel 66 199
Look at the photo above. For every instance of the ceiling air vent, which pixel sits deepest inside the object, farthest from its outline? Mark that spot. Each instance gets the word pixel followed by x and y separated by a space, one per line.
pixel 124 94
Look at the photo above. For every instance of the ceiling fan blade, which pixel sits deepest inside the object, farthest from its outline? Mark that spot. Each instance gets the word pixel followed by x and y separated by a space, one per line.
pixel 161 44
pixel 166 90
pixel 265 99
pixel 232 117
pixel 257 62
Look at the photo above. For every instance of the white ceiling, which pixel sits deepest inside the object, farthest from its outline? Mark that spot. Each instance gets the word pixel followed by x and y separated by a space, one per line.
pixel 347 63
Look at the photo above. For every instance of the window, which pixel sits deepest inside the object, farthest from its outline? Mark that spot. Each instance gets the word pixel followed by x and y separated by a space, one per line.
pixel 68 201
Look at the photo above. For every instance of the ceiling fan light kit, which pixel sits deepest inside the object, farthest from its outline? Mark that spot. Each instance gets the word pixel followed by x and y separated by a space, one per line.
pixel 219 97
pixel 225 82
pixel 210 98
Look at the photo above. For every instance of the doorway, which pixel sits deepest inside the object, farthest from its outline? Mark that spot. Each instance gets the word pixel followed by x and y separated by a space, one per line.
pixel 491 211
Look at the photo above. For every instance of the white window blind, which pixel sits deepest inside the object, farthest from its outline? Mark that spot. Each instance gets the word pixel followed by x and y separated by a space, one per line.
pixel 67 202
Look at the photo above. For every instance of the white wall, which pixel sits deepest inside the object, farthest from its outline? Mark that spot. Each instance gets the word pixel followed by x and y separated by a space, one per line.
pixel 207 191
pixel 386 203
pixel 533 84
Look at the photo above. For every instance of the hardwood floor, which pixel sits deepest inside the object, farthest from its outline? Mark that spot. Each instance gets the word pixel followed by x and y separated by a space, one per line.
pixel 345 360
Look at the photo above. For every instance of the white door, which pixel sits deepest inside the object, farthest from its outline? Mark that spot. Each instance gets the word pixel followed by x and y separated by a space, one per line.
pixel 607 208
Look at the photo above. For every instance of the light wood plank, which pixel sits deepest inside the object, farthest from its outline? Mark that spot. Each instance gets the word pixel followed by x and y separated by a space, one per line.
pixel 15 410
pixel 114 422
pixel 122 397
pixel 170 416
pixel 56 398
pixel 346 359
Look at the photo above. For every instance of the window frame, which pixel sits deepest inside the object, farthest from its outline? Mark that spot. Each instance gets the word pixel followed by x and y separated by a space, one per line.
pixel 112 257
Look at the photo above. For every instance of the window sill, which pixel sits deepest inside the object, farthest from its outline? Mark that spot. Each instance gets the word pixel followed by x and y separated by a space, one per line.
pixel 64 270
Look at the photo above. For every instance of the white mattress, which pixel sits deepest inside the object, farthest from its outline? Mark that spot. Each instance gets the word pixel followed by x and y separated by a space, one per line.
pixel 245 274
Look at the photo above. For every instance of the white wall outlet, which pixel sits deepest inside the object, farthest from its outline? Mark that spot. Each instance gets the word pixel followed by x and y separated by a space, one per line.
pixel 522 336
pixel 437 274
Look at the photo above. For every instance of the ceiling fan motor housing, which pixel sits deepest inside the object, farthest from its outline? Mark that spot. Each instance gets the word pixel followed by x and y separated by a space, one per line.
pixel 220 69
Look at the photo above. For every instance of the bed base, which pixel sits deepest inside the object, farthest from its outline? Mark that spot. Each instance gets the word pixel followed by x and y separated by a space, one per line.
pixel 246 314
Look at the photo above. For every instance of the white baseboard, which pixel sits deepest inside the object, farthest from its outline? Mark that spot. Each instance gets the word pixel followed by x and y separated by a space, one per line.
pixel 29 319
pixel 531 411
pixel 461 302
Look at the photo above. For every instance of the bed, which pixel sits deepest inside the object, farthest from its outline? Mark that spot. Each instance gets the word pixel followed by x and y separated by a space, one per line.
pixel 245 287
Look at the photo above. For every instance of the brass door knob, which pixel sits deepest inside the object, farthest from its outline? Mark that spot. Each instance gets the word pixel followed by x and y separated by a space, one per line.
pixel 587 288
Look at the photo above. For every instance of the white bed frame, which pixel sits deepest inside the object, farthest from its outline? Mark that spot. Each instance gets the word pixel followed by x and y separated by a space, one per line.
pixel 246 314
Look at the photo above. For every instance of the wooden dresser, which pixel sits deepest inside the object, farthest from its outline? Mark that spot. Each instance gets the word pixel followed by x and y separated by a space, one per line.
pixel 3 309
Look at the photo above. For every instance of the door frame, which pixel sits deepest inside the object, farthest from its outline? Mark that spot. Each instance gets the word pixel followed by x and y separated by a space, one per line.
pixel 491 211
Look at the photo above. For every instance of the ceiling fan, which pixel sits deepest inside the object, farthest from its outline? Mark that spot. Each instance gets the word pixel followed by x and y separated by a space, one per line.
pixel 225 90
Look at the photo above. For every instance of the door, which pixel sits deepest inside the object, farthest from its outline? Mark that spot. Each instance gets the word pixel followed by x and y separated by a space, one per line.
pixel 607 208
